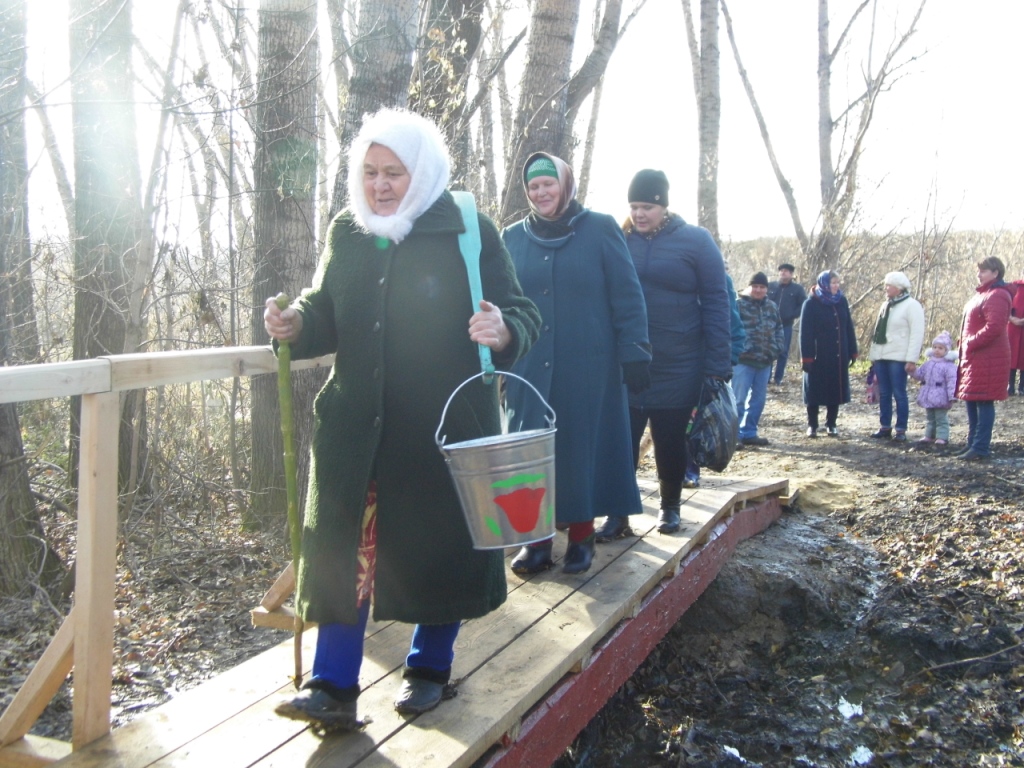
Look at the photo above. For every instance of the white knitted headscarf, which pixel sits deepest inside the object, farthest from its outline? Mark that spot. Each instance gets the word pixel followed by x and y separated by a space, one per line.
pixel 420 146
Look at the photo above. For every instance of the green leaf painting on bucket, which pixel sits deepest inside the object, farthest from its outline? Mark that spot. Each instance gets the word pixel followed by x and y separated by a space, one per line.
pixel 521 506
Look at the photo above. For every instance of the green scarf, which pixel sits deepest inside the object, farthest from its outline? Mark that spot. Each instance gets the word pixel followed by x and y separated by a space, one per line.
pixel 883 318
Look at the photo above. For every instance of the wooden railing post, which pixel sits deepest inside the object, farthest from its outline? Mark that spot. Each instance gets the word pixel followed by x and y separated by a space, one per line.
pixel 95 569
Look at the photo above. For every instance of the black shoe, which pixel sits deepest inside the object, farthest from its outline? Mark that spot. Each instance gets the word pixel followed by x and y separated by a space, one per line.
pixel 832 431
pixel 754 440
pixel 533 558
pixel 668 520
pixel 899 437
pixel 812 431
pixel 418 695
pixel 325 705
pixel 882 434
pixel 579 555
pixel 972 455
pixel 613 528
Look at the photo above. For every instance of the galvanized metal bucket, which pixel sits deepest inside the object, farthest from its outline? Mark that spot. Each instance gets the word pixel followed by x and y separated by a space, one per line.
pixel 505 483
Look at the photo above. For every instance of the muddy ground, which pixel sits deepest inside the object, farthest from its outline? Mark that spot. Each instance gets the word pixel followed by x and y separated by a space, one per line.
pixel 878 623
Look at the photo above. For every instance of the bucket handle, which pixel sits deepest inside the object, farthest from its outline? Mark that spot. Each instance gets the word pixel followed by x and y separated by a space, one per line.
pixel 437 434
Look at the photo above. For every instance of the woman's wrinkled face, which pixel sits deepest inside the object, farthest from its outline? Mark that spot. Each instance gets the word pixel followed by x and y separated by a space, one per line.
pixel 647 217
pixel 544 192
pixel 385 180
pixel 986 276
pixel 833 285
pixel 892 291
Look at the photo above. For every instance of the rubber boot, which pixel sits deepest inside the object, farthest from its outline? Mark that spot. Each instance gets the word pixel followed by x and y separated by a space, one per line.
pixel 668 518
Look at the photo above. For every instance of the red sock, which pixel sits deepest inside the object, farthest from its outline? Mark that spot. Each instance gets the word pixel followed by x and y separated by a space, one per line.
pixel 579 531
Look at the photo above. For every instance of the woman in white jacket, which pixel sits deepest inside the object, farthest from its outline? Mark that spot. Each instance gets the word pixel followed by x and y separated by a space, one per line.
pixel 895 350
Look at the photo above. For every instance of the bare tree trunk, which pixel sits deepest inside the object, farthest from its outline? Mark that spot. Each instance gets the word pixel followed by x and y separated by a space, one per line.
pixel 285 177
pixel 710 117
pixel 107 189
pixel 21 532
pixel 540 119
pixel 382 51
pixel 588 146
pixel 16 275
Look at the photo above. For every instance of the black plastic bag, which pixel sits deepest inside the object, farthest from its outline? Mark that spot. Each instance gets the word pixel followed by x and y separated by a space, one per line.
pixel 714 426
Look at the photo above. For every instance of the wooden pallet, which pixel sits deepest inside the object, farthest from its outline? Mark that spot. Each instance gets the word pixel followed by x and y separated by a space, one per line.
pixel 530 674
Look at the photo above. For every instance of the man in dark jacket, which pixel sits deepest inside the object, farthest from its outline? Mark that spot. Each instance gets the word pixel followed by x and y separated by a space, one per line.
pixel 789 297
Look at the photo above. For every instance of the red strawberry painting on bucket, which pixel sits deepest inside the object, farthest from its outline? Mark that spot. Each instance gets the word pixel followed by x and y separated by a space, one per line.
pixel 522 506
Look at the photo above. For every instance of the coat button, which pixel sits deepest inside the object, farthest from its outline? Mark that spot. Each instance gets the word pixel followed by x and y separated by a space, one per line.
pixel 546 258
pixel 547 365
pixel 381 281
pixel 547 328
pixel 546 291
pixel 376 327
pixel 376 423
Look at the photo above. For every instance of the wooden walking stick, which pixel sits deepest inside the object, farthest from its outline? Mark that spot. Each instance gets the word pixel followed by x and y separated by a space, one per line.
pixel 284 395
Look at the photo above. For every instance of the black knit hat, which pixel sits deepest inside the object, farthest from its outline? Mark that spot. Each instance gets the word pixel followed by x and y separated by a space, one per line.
pixel 759 278
pixel 789 267
pixel 649 186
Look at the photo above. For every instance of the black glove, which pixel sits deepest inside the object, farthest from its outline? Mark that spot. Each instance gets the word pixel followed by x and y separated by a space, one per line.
pixel 637 376
pixel 807 367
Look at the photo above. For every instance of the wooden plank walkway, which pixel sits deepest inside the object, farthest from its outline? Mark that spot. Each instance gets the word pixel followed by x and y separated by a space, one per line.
pixel 530 674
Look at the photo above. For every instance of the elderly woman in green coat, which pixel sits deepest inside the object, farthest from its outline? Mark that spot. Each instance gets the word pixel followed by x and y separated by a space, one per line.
pixel 391 300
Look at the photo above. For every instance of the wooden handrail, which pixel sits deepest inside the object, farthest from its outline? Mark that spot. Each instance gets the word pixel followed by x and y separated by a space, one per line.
pixel 117 373
pixel 90 623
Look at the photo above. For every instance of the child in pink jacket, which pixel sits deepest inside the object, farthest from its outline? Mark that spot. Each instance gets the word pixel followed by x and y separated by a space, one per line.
pixel 938 390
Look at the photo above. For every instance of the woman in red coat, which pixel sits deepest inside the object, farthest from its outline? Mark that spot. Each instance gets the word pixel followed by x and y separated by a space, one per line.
pixel 984 356
pixel 1016 332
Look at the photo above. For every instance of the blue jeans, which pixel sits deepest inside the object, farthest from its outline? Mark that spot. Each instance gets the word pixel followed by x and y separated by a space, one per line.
pixel 981 416
pixel 750 386
pixel 780 364
pixel 339 649
pixel 892 385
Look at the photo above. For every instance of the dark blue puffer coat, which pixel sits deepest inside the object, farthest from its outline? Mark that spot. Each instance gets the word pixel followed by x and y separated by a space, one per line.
pixel 688 314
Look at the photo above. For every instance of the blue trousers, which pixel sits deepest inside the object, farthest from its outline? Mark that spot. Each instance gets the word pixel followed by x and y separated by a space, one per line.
pixel 780 364
pixel 339 649
pixel 892 385
pixel 750 386
pixel 981 417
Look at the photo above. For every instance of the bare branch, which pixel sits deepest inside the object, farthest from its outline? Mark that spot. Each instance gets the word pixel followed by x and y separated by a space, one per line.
pixel 784 185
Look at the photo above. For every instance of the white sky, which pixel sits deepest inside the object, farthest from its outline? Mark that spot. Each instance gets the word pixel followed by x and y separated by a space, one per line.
pixel 951 127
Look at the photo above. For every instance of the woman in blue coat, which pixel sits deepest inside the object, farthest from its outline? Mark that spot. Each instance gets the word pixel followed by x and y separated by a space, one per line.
pixel 828 347
pixel 683 278
pixel 574 265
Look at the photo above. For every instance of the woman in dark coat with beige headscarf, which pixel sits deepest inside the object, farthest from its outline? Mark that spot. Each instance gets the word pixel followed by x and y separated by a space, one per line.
pixel 391 300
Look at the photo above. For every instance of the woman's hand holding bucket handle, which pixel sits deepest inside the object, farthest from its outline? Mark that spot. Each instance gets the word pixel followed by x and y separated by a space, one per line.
pixel 487 327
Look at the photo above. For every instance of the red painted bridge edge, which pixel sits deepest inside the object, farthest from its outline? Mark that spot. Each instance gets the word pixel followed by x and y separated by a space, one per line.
pixel 552 725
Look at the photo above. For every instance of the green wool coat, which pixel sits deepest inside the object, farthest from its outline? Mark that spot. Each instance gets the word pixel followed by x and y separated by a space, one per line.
pixel 397 319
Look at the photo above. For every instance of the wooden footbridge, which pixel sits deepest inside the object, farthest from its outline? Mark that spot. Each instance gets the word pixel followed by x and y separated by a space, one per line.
pixel 530 675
